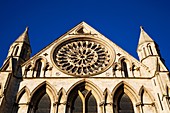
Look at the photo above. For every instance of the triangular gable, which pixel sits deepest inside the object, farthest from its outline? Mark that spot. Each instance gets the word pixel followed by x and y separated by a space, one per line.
pixel 85 31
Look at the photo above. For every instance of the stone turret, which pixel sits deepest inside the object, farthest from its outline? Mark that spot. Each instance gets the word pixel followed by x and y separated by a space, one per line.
pixel 18 53
pixel 148 52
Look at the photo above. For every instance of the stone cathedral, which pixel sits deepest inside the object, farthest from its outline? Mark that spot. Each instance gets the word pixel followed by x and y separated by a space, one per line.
pixel 83 71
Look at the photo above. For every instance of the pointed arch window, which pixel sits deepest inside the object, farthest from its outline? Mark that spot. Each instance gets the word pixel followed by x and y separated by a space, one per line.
pixel 38 67
pixel 121 101
pixel 125 105
pixel 16 51
pixel 91 105
pixel 150 49
pixel 124 68
pixel 43 105
pixel 83 102
pixel 77 106
pixel 40 104
pixel 40 101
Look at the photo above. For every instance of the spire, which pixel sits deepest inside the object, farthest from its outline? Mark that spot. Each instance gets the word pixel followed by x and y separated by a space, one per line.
pixel 24 37
pixel 144 37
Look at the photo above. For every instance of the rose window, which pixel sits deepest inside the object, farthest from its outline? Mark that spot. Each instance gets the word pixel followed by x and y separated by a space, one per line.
pixel 81 57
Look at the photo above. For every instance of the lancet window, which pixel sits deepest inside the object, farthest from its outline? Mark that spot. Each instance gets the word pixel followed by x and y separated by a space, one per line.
pixel 122 102
pixel 40 101
pixel 124 68
pixel 38 67
pixel 150 49
pixel 82 102
pixel 16 51
pixel 43 105
pixel 125 104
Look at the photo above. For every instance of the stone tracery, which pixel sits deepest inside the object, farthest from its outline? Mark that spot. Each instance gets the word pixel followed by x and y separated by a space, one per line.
pixel 82 57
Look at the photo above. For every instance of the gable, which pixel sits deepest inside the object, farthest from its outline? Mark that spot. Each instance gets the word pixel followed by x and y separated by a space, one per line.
pixel 82 52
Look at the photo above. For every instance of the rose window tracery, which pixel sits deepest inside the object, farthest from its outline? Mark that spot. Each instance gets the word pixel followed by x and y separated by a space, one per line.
pixel 81 57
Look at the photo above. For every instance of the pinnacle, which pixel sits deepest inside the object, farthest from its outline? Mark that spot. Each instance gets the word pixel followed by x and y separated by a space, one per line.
pixel 24 37
pixel 144 37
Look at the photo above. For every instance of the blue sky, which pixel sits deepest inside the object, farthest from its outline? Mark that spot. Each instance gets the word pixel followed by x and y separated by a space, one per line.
pixel 118 20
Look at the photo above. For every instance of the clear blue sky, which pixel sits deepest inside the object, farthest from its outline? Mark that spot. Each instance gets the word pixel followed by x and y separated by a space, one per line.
pixel 119 20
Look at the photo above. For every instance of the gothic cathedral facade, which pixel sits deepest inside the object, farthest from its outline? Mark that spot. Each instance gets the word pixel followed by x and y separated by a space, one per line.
pixel 84 72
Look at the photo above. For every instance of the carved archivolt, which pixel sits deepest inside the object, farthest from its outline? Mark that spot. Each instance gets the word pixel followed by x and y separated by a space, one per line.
pixel 83 56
